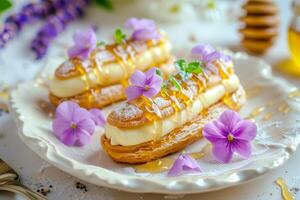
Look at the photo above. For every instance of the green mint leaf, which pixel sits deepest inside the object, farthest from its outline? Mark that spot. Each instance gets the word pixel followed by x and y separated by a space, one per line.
pixel 107 4
pixel 4 5
pixel 194 67
pixel 181 63
pixel 119 36
pixel 159 72
pixel 175 82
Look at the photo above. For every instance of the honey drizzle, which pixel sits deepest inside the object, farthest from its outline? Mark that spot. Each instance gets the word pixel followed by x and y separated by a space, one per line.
pixel 268 116
pixel 82 71
pixel 284 108
pixel 252 92
pixel 177 96
pixel 294 94
pixel 255 112
pixel 285 192
pixel 162 164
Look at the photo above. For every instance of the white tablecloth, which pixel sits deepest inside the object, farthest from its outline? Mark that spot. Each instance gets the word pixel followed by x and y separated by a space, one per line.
pixel 17 64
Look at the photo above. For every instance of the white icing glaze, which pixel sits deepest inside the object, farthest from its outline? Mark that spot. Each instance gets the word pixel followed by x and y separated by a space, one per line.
pixel 145 133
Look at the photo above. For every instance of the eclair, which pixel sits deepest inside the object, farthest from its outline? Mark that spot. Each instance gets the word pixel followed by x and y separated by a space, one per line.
pixel 100 79
pixel 145 129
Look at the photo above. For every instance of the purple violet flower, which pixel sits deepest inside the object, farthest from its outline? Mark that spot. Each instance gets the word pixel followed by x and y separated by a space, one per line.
pixel 147 84
pixel 144 29
pixel 230 134
pixel 73 125
pixel 207 54
pixel 85 43
pixel 98 117
pixel 184 164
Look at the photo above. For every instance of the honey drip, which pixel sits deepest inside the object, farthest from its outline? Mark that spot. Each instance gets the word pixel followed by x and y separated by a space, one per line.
pixel 268 116
pixel 162 164
pixel 294 94
pixel 231 101
pixel 254 91
pixel 284 108
pixel 255 112
pixel 285 192
pixel 155 166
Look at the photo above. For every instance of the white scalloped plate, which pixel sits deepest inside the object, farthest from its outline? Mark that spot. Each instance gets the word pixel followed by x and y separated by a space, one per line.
pixel 278 137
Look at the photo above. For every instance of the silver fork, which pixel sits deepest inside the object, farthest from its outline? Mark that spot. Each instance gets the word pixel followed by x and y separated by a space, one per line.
pixel 10 181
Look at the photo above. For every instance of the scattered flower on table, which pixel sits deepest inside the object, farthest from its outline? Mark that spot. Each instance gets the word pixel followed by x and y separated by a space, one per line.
pixel 230 134
pixel 98 117
pixel 145 84
pixel 143 29
pixel 184 164
pixel 73 125
pixel 85 43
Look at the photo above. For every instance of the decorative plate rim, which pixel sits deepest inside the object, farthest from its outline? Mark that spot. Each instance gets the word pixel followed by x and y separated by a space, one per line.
pixel 170 185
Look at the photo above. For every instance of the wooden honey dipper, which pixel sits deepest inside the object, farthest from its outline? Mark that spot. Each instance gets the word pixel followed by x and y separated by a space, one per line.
pixel 261 24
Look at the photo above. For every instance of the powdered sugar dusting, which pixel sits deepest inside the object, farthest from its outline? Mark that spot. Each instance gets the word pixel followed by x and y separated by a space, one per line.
pixel 127 111
pixel 161 102
pixel 66 67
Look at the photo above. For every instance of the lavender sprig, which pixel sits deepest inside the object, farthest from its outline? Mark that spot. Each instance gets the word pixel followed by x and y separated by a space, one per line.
pixel 56 23
pixel 29 13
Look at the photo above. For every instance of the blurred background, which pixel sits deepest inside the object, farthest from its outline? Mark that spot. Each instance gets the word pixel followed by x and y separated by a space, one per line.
pixel 260 28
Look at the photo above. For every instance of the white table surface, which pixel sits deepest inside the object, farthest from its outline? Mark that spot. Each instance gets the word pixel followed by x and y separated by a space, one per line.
pixel 17 64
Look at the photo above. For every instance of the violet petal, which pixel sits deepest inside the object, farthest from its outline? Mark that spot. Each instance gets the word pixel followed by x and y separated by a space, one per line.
pixel 80 52
pixel 133 92
pixel 212 132
pixel 150 92
pixel 183 164
pixel 60 125
pixel 66 109
pixel 229 118
pixel 98 117
pixel 80 114
pixel 87 125
pixel 146 34
pixel 245 130
pixel 138 78
pixel 68 137
pixel 222 150
pixel 82 137
pixel 243 148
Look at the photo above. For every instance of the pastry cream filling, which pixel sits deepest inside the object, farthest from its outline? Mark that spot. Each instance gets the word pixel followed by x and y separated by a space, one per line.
pixel 110 73
pixel 157 129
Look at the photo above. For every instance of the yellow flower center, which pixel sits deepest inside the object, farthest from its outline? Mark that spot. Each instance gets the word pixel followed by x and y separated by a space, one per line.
pixel 73 126
pixel 147 87
pixel 230 137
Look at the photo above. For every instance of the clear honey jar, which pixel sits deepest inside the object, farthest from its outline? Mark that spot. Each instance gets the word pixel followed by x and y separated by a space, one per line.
pixel 294 33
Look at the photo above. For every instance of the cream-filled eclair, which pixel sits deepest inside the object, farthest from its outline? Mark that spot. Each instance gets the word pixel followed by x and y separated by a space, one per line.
pixel 99 79
pixel 144 129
